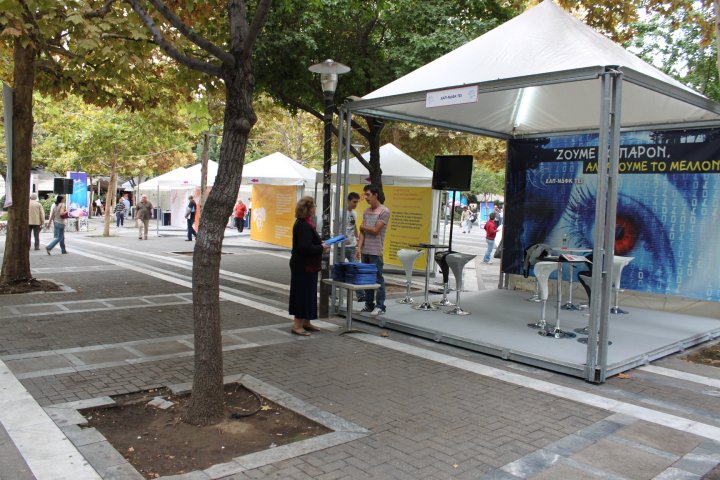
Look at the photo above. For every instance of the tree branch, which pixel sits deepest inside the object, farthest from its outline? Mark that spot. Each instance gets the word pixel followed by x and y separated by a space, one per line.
pixel 168 48
pixel 186 31
pixel 307 108
pixel 261 14
pixel 102 11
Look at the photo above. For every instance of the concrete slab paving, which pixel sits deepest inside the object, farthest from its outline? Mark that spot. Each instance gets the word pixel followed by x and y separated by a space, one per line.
pixel 628 462
pixel 430 411
pixel 661 438
pixel 563 471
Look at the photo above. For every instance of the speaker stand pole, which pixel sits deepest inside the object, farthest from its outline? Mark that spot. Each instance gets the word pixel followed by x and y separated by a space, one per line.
pixel 452 219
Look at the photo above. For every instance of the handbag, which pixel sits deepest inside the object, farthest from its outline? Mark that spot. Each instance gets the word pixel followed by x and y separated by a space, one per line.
pixel 65 215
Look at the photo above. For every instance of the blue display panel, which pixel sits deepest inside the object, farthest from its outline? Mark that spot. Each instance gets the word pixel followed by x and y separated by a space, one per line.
pixel 668 209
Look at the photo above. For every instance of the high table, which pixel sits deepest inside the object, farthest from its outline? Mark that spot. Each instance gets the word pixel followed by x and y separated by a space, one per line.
pixel 557 332
pixel 426 306
pixel 569 305
pixel 349 289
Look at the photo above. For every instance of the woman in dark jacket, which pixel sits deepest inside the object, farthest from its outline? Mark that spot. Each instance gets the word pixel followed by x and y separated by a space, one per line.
pixel 305 263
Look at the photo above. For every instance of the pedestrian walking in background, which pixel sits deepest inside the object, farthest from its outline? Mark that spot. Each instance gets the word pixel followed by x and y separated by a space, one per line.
pixel 305 262
pixel 98 207
pixel 498 215
pixel 240 214
pixel 36 219
pixel 120 212
pixel 57 217
pixel 127 204
pixel 490 232
pixel 465 220
pixel 371 245
pixel 190 212
pixel 142 216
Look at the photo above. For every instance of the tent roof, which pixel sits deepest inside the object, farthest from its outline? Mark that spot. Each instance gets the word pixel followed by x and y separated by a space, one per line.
pixel 397 166
pixel 277 169
pixel 166 180
pixel 194 174
pixel 538 73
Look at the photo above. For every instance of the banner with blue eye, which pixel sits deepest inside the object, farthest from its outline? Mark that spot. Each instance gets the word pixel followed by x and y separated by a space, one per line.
pixel 77 201
pixel 667 211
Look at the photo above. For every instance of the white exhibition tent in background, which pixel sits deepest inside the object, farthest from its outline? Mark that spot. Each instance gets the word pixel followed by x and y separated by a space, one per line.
pixel 277 169
pixel 398 168
pixel 545 73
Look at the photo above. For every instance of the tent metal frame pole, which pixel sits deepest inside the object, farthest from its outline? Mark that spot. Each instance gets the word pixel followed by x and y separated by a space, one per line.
pixel 346 163
pixel 591 363
pixel 339 224
pixel 611 218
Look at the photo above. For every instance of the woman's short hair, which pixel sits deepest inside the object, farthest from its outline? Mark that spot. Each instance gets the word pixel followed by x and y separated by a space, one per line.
pixel 304 207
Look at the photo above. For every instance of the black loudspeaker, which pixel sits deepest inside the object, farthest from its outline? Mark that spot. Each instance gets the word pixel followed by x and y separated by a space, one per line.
pixel 63 186
pixel 452 172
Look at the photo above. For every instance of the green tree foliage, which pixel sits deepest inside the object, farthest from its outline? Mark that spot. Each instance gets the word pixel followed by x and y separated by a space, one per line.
pixel 71 135
pixel 57 48
pixel 375 38
pixel 679 45
pixel 296 134
pixel 485 181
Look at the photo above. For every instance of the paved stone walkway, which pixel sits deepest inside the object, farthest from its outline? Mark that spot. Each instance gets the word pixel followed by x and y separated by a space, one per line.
pixel 124 323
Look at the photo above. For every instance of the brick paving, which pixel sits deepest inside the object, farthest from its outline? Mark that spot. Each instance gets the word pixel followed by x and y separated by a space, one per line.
pixel 425 418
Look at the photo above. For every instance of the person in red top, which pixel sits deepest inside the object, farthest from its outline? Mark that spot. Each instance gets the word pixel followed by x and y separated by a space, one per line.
pixel 490 232
pixel 240 212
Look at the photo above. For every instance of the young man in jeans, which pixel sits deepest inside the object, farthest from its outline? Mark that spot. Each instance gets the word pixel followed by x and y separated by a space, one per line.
pixel 370 245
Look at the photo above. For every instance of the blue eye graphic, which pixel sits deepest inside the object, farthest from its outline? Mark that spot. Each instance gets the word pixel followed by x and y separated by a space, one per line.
pixel 640 232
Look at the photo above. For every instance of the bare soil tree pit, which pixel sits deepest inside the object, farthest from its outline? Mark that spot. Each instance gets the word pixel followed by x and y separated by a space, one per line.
pixel 707 356
pixel 159 442
pixel 29 286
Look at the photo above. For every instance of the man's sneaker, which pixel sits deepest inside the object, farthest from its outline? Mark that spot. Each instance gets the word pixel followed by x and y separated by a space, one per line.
pixel 378 311
pixel 367 309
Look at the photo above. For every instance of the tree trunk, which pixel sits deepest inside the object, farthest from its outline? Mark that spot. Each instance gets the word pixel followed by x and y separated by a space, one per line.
pixel 204 166
pixel 206 405
pixel 375 127
pixel 717 31
pixel 110 196
pixel 16 260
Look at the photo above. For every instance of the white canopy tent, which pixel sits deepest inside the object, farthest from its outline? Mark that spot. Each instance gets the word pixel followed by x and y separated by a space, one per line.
pixel 398 168
pixel 165 181
pixel 545 72
pixel 194 174
pixel 277 169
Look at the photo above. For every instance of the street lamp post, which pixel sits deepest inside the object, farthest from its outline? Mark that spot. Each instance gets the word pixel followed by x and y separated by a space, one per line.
pixel 329 71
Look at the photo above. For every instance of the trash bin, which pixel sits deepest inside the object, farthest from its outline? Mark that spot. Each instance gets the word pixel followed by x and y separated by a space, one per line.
pixel 166 219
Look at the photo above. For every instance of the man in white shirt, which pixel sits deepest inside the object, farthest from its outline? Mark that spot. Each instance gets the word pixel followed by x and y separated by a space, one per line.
pixel 351 232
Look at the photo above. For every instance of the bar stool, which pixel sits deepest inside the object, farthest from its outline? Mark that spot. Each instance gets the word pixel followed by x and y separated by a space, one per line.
pixel 456 262
pixel 618 266
pixel 543 270
pixel 407 258
pixel 440 259
pixel 533 254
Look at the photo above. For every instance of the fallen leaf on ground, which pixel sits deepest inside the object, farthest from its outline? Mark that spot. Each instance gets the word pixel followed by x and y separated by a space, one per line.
pixel 624 375
pixel 265 408
pixel 384 334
